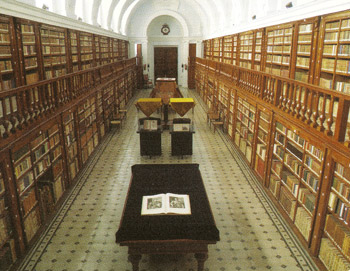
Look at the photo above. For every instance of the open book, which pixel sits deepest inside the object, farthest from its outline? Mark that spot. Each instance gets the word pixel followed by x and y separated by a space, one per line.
pixel 166 204
pixel 181 127
pixel 150 125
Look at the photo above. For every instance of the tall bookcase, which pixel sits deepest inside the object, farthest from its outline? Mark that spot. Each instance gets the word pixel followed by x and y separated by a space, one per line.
pixel 53 40
pixel 7 76
pixel 29 37
pixel 264 119
pixel 86 52
pixel 245 127
pixel 8 252
pixel 231 113
pixel 259 36
pixel 278 51
pixel 71 145
pixel 88 133
pixel 217 49
pixel 229 49
pixel 296 174
pixel 334 52
pixel 334 249
pixel 246 49
pixel 74 40
pixel 305 52
pixel 104 47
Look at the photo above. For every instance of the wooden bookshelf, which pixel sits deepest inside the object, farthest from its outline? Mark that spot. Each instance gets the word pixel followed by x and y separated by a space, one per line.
pixel 100 114
pixel 86 51
pixel 28 36
pixel 279 49
pixel 217 49
pixel 7 77
pixel 71 145
pixel 108 102
pixel 264 119
pixel 334 52
pixel 117 49
pixel 231 113
pixel 305 52
pixel 258 50
pixel 334 248
pixel 74 45
pixel 296 174
pixel 8 251
pixel 229 49
pixel 53 41
pixel 104 47
pixel 245 127
pixel 246 49
pixel 88 133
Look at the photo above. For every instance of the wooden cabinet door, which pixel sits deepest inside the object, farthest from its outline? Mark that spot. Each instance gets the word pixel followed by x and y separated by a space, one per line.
pixel 165 62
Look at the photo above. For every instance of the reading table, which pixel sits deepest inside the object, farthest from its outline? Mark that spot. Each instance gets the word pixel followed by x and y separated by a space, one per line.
pixel 167 234
pixel 150 137
pixel 181 137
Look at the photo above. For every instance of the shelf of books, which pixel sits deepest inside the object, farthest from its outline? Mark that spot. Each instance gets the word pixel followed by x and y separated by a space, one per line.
pixel 334 249
pixel 217 49
pixel 246 49
pixel 88 133
pixel 100 119
pixel 117 49
pixel 223 100
pixel 104 47
pixel 26 172
pixel 121 96
pixel 296 172
pixel 208 50
pixel 334 52
pixel 125 49
pixel 245 127
pixel 262 141
pixel 97 55
pixel 210 92
pixel 73 36
pixel 305 50
pixel 30 54
pixel 8 253
pixel 86 52
pixel 258 49
pixel 7 78
pixel 231 113
pixel 71 146
pixel 53 42
pixel 108 101
pixel 230 49
pixel 279 45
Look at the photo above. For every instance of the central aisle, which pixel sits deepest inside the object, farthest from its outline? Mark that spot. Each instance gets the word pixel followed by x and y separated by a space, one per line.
pixel 82 235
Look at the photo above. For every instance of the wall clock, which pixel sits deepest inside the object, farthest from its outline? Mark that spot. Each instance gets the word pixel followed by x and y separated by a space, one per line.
pixel 165 29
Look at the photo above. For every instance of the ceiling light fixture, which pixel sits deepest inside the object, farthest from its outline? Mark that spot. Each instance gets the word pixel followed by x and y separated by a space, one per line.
pixel 289 5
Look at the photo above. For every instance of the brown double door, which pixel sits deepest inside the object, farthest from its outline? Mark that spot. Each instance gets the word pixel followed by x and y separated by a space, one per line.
pixel 165 62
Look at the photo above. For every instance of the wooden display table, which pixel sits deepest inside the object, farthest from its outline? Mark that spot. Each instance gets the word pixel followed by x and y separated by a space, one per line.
pixel 167 234
pixel 150 137
pixel 181 137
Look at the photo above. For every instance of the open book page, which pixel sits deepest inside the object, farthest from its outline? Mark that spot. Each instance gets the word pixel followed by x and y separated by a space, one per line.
pixel 150 125
pixel 178 204
pixel 166 204
pixel 181 127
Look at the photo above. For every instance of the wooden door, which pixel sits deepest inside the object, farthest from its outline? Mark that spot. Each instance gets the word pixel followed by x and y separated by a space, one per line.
pixel 191 64
pixel 165 62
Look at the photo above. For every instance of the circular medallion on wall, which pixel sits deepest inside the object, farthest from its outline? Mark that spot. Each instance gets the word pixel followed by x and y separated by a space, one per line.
pixel 165 29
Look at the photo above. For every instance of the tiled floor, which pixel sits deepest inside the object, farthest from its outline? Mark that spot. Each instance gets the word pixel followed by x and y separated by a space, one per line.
pixel 82 235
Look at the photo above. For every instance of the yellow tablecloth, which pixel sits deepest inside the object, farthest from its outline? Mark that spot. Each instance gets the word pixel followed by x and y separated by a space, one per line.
pixel 182 105
pixel 148 105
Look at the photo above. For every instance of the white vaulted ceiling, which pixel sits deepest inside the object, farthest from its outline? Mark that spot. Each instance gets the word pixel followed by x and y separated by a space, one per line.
pixel 197 18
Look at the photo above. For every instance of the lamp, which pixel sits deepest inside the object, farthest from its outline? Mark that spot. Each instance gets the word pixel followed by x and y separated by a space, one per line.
pixel 289 5
pixel 254 17
pixel 45 7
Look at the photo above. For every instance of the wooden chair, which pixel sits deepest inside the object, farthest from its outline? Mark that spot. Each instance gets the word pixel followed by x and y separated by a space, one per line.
pixel 212 115
pixel 218 120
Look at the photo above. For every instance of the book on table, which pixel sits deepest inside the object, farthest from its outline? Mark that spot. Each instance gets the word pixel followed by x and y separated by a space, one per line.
pixel 150 125
pixel 181 127
pixel 162 204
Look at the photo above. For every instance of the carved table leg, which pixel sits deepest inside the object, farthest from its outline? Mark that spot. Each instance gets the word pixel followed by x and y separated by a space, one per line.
pixel 201 258
pixel 135 259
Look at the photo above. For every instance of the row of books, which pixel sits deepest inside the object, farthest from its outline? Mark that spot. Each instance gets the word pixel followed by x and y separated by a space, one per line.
pixel 311 179
pixel 307 198
pixel 42 165
pixel 291 182
pixel 305 28
pixel 341 187
pixel 54 49
pixel 338 233
pixel 314 151
pixel 32 223
pixel 303 61
pixel 277 166
pixel 40 151
pixel 287 201
pixel 28 201
pixel 313 164
pixel 261 150
pixel 343 171
pixel 27 28
pixel 4 230
pixel 293 163
pixel 4 38
pixel 22 166
pixel 4 27
pixel 304 38
pixel 301 76
pixel 52 33
pixel 331 257
pixel 29 50
pixel 339 207
pixel 274 185
pixel 280 32
pixel 5 65
pixel 303 222
pixel 302 48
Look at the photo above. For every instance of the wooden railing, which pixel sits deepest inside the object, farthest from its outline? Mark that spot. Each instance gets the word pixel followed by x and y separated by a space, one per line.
pixel 322 109
pixel 22 106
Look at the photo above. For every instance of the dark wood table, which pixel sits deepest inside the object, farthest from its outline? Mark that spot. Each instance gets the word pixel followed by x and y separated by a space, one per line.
pixel 182 141
pixel 150 140
pixel 167 234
